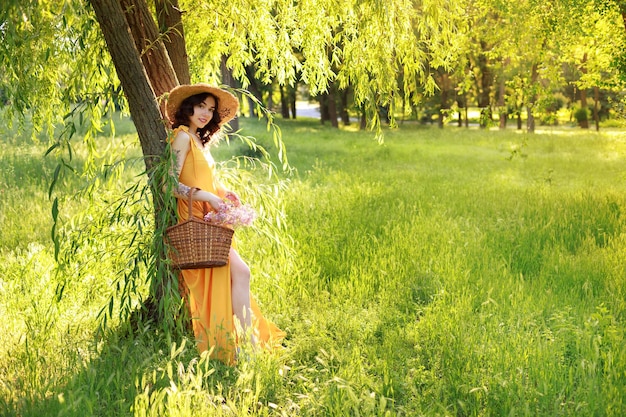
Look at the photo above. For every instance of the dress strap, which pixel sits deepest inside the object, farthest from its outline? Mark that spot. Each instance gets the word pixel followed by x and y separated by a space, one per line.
pixel 174 132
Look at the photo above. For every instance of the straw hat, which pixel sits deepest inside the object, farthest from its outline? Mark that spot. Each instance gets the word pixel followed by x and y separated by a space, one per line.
pixel 227 104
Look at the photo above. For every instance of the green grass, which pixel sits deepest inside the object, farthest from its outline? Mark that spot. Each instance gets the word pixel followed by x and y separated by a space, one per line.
pixel 444 272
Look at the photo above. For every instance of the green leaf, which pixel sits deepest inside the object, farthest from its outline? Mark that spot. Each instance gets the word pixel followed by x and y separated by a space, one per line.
pixel 55 178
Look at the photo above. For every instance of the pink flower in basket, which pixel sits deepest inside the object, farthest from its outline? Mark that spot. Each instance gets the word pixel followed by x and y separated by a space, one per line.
pixel 231 216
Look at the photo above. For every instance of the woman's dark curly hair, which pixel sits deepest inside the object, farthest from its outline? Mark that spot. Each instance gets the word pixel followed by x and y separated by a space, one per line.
pixel 185 111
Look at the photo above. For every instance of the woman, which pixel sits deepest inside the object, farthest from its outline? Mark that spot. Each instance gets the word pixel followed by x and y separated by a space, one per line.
pixel 218 298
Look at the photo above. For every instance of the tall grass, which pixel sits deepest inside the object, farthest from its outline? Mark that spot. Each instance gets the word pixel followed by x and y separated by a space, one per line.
pixel 445 272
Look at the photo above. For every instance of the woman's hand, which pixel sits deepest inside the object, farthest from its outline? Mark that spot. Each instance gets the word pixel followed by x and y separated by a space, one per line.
pixel 215 202
pixel 233 197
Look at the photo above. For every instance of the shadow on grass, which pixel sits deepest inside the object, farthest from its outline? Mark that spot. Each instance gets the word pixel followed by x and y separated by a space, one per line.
pixel 135 358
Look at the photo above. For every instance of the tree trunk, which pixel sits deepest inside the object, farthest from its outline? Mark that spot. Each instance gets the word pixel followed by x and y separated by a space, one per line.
pixel 363 121
pixel 254 89
pixel 270 97
pixel 596 99
pixel 292 99
pixel 530 121
pixel 144 110
pixel 466 111
pixel 584 123
pixel 445 88
pixel 332 105
pixel 345 116
pixel 156 61
pixel 484 94
pixel 284 104
pixel 134 79
pixel 403 107
pixel 324 114
pixel 169 16
pixel 229 80
pixel 503 119
pixel 501 100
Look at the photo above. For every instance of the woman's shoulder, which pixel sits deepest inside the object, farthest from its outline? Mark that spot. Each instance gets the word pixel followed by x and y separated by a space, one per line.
pixel 180 133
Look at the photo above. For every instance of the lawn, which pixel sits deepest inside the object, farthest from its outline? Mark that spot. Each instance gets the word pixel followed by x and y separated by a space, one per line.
pixel 443 272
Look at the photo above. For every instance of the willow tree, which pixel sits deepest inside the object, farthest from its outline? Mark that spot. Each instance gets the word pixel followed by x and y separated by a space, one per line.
pixel 72 60
pixel 599 39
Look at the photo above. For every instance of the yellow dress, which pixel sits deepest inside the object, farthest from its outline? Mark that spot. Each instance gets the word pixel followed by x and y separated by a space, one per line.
pixel 208 290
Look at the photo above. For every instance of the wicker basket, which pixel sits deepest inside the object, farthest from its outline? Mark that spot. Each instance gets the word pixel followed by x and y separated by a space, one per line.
pixel 196 243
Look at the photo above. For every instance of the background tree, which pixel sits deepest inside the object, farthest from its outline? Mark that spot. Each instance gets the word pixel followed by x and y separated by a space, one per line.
pixel 594 57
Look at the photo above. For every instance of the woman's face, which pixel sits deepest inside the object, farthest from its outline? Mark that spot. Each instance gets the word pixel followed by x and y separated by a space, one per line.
pixel 202 113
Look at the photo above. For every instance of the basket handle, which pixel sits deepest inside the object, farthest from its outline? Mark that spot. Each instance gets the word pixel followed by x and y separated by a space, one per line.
pixel 190 201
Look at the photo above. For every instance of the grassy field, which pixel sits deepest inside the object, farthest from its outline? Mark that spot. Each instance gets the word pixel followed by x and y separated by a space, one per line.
pixel 443 273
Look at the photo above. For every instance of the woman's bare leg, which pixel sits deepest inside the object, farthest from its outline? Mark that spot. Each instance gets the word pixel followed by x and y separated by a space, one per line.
pixel 240 281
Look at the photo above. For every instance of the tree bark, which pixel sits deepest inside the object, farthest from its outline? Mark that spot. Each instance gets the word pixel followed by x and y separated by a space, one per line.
pixel 332 105
pixel 134 79
pixel 502 110
pixel 584 123
pixel 459 103
pixel 154 56
pixel 171 26
pixel 596 99
pixel 254 89
pixel 465 115
pixel 323 100
pixel 363 119
pixel 530 121
pixel 284 104
pixel 270 97
pixel 445 105
pixel 345 116
pixel 486 81
pixel 292 99
pixel 229 80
